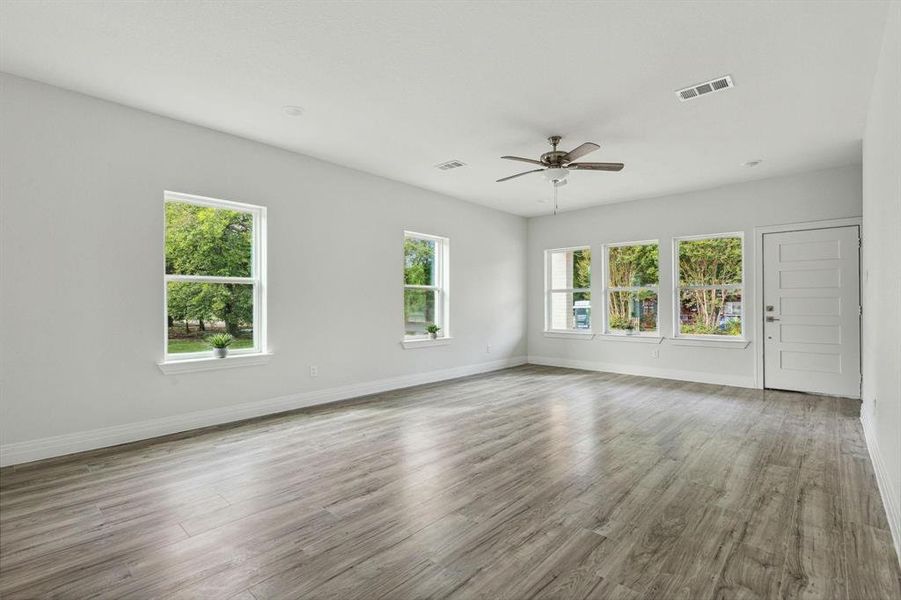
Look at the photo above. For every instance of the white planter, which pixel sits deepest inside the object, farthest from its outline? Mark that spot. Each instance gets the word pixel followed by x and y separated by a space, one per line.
pixel 220 352
pixel 433 336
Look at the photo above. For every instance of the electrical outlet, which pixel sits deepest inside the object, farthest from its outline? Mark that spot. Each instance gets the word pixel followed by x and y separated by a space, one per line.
pixel 655 353
pixel 314 371
pixel 488 349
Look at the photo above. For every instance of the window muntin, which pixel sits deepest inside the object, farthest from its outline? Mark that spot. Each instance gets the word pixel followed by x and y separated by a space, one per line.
pixel 632 287
pixel 426 298
pixel 568 289
pixel 213 276
pixel 710 285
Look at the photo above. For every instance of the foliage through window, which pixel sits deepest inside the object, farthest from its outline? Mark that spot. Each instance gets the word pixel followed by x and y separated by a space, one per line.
pixel 213 274
pixel 633 274
pixel 568 290
pixel 425 284
pixel 709 293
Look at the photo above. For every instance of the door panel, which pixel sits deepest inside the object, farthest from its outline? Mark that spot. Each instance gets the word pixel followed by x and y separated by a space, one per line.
pixel 803 279
pixel 811 296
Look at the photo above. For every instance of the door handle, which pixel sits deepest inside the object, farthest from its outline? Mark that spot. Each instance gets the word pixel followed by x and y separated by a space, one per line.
pixel 771 319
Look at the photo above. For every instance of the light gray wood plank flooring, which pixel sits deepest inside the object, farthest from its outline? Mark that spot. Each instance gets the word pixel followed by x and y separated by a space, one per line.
pixel 533 482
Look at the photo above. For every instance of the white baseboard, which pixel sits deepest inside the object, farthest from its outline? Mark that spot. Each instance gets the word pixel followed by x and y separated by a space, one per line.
pixel 21 452
pixel 891 502
pixel 695 376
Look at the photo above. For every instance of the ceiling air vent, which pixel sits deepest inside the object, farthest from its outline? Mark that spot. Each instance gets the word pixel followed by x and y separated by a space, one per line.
pixel 451 164
pixel 696 91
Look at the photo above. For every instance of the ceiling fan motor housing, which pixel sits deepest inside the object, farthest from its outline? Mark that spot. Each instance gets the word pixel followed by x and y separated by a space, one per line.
pixel 553 158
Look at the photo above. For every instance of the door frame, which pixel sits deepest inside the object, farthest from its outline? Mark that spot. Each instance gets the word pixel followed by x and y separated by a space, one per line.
pixel 759 232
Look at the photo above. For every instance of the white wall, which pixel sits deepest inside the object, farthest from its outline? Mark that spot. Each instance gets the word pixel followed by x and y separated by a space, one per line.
pixel 821 195
pixel 881 275
pixel 81 288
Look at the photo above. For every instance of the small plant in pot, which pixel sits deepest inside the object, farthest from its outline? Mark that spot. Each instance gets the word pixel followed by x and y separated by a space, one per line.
pixel 631 327
pixel 220 343
pixel 433 331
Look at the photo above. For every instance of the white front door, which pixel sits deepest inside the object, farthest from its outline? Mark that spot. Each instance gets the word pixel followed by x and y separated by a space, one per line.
pixel 811 311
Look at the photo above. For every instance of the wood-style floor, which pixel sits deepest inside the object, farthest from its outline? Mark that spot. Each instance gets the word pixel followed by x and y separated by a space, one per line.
pixel 530 482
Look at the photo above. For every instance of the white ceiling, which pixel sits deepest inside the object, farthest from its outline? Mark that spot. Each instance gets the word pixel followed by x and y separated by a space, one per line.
pixel 394 87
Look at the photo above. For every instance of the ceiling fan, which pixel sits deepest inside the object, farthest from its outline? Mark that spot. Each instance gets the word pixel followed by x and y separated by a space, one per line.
pixel 557 164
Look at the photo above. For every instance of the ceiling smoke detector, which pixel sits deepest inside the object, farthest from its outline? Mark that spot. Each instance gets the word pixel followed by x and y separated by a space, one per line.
pixel 701 89
pixel 450 164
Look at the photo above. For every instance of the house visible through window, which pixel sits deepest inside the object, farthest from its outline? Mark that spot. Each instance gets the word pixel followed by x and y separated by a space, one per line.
pixel 213 281
pixel 710 286
pixel 568 289
pixel 425 285
pixel 632 287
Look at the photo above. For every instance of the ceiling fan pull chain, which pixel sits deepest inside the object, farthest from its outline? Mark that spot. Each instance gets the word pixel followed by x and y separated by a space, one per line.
pixel 555 198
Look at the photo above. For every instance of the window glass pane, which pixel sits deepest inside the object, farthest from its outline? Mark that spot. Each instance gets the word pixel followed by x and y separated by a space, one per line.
pixel 419 310
pixel 631 266
pixel 710 312
pixel 208 241
pixel 199 310
pixel 571 310
pixel 419 261
pixel 714 261
pixel 632 311
pixel 571 269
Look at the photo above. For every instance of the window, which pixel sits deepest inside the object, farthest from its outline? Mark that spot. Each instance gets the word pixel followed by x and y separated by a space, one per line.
pixel 425 285
pixel 632 287
pixel 708 298
pixel 214 275
pixel 568 290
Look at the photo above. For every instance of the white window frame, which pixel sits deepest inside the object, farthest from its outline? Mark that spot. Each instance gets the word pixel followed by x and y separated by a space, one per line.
pixel 639 288
pixel 257 276
pixel 441 269
pixel 549 291
pixel 677 289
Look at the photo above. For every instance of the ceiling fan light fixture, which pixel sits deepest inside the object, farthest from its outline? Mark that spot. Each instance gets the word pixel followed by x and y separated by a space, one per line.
pixel 555 174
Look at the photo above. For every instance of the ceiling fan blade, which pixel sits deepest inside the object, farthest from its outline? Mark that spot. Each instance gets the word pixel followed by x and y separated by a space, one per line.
pixel 595 166
pixel 580 151
pixel 519 175
pixel 521 159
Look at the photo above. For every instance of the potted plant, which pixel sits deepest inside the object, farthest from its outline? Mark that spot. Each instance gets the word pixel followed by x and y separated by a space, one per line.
pixel 433 330
pixel 631 327
pixel 220 343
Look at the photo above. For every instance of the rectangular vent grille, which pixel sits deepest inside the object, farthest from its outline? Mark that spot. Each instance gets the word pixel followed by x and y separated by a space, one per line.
pixel 451 164
pixel 696 91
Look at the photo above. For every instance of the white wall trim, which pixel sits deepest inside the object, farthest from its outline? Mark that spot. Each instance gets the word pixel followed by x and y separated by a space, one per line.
pixel 891 502
pixel 696 376
pixel 208 363
pixel 699 342
pixel 425 343
pixel 640 338
pixel 757 305
pixel 21 452
pixel 569 335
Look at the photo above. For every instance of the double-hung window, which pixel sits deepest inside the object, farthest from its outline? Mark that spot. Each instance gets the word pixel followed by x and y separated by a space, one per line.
pixel 632 287
pixel 568 289
pixel 214 280
pixel 709 290
pixel 426 293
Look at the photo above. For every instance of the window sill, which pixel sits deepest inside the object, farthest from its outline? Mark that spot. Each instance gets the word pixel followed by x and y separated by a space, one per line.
pixel 426 343
pixel 570 335
pixel 192 365
pixel 625 337
pixel 700 342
